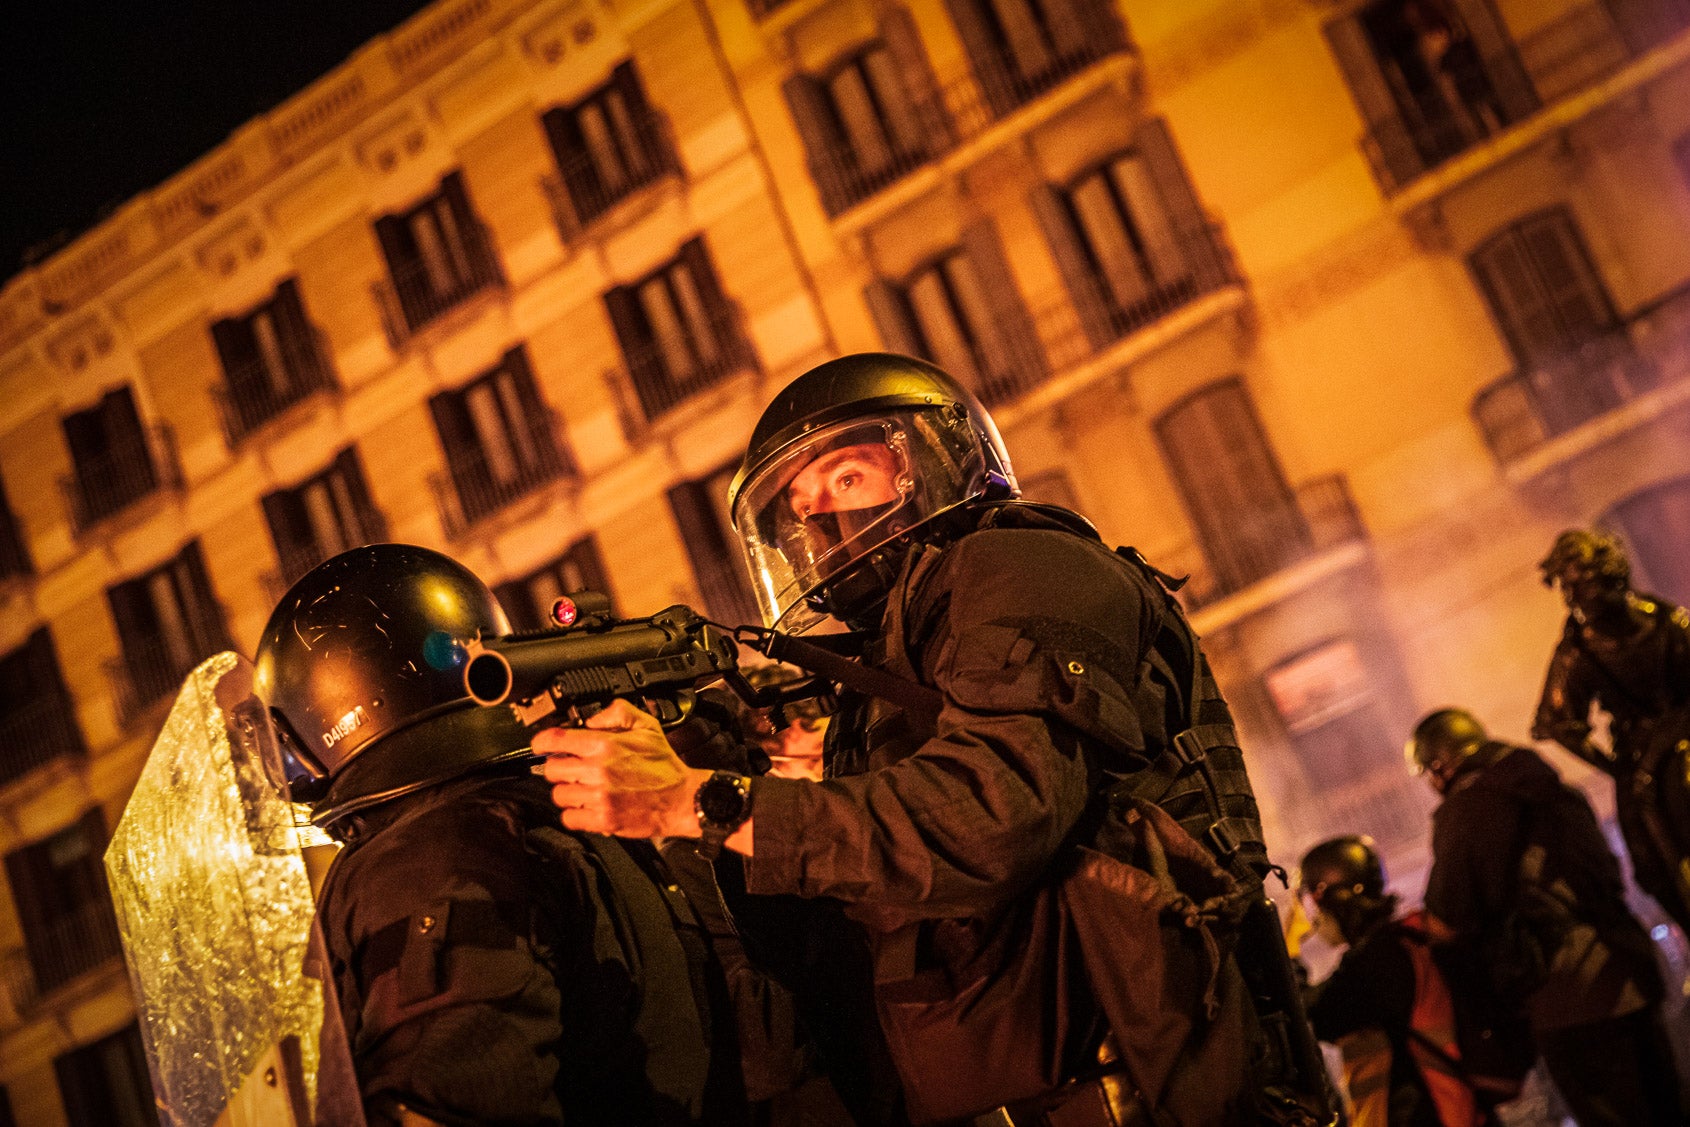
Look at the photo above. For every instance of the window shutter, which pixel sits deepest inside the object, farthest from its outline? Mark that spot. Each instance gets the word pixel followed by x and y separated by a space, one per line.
pixel 1500 59
pixel 1372 94
pixel 824 146
pixel 575 170
pixel 1245 515
pixel 891 315
pixel 295 331
pixel 1099 24
pixel 289 529
pixel 715 562
pixel 1173 183
pixel 127 440
pixel 695 259
pixel 398 246
pixel 237 350
pixel 136 620
pixel 200 606
pixel 984 51
pixel 1075 264
pixel 1577 298
pixel 1014 357
pixel 903 42
pixel 457 440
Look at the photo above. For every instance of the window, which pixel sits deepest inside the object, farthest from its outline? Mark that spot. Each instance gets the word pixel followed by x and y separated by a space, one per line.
pixel 168 621
pixel 1656 526
pixel 37 718
pixel 963 312
pixel 1021 48
pixel 678 332
pixel 323 516
pixel 437 253
pixel 499 441
pixel 1431 78
pixel 14 557
pixel 528 601
pixel 60 888
pixel 106 1084
pixel 1130 238
pixel 113 460
pixel 607 146
pixel 1336 722
pixel 1576 362
pixel 271 360
pixel 701 511
pixel 1246 517
pixel 872 118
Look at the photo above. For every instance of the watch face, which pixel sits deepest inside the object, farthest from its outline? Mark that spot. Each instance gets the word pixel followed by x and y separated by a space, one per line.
pixel 721 799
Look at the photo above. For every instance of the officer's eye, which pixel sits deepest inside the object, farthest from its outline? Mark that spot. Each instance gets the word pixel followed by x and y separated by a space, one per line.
pixel 846 481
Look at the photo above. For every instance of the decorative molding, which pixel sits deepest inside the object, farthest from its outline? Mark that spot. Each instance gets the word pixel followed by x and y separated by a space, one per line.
pixel 1338 269
pixel 423 47
pixel 570 28
pixel 226 251
pixel 80 343
pixel 389 145
pixel 1202 45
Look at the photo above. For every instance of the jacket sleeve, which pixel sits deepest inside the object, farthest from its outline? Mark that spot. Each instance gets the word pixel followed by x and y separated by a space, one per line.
pixel 1563 711
pixel 452 1012
pixel 1035 640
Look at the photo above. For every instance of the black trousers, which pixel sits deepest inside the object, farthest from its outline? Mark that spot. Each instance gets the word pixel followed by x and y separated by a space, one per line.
pixel 1615 1072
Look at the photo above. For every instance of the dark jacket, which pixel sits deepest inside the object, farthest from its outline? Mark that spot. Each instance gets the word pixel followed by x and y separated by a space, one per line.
pixel 935 840
pixel 1523 876
pixel 1385 987
pixel 494 969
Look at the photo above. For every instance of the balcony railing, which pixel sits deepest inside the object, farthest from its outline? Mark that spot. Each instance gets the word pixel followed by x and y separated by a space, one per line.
pixel 146 674
pixel 35 733
pixel 1259 544
pixel 296 560
pixel 253 395
pixel 578 192
pixel 763 8
pixel 470 491
pixel 1531 405
pixel 660 380
pixel 845 176
pixel 65 949
pixel 1436 123
pixel 413 295
pixel 124 473
pixel 1010 81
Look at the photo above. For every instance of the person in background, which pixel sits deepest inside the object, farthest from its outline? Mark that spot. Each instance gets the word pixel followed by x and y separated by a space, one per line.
pixel 1629 654
pixel 1523 884
pixel 1386 1006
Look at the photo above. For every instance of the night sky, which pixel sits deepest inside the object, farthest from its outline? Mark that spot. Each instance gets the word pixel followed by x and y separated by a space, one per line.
pixel 102 100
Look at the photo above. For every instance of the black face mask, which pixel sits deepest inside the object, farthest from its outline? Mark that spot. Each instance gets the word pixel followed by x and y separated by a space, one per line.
pixel 820 533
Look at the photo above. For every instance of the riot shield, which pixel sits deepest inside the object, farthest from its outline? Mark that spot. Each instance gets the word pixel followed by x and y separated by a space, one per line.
pixel 237 1008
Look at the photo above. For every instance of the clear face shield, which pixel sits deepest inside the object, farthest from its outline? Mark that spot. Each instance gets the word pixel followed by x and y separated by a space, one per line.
pixel 839 493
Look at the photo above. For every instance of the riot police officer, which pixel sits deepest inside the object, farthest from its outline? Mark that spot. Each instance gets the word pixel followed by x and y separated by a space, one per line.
pixel 1629 653
pixel 1033 691
pixel 1523 884
pixel 491 967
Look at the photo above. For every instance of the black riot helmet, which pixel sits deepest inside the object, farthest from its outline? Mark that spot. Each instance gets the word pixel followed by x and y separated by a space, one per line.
pixel 851 462
pixel 1445 744
pixel 1345 878
pixel 361 665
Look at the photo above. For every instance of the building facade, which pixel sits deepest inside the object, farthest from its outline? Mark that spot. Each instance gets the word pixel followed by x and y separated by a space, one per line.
pixel 1343 309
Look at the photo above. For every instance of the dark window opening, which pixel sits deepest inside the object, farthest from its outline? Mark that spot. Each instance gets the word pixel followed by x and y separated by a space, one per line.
pixel 14 557
pixel 1575 360
pixel 113 458
pixel 608 146
pixel 500 442
pixel 1247 519
pixel 272 358
pixel 678 331
pixel 528 600
pixel 37 717
pixel 323 516
pixel 106 1084
pixel 1021 48
pixel 438 254
pixel 168 621
pixel 63 905
pixel 701 511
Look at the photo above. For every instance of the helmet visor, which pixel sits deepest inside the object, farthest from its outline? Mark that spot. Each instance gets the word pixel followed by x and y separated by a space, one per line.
pixel 839 493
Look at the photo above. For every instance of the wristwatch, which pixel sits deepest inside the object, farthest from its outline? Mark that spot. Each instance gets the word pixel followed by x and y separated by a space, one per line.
pixel 723 803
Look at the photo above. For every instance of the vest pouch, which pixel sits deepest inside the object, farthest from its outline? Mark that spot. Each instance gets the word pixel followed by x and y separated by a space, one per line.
pixel 994 1030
